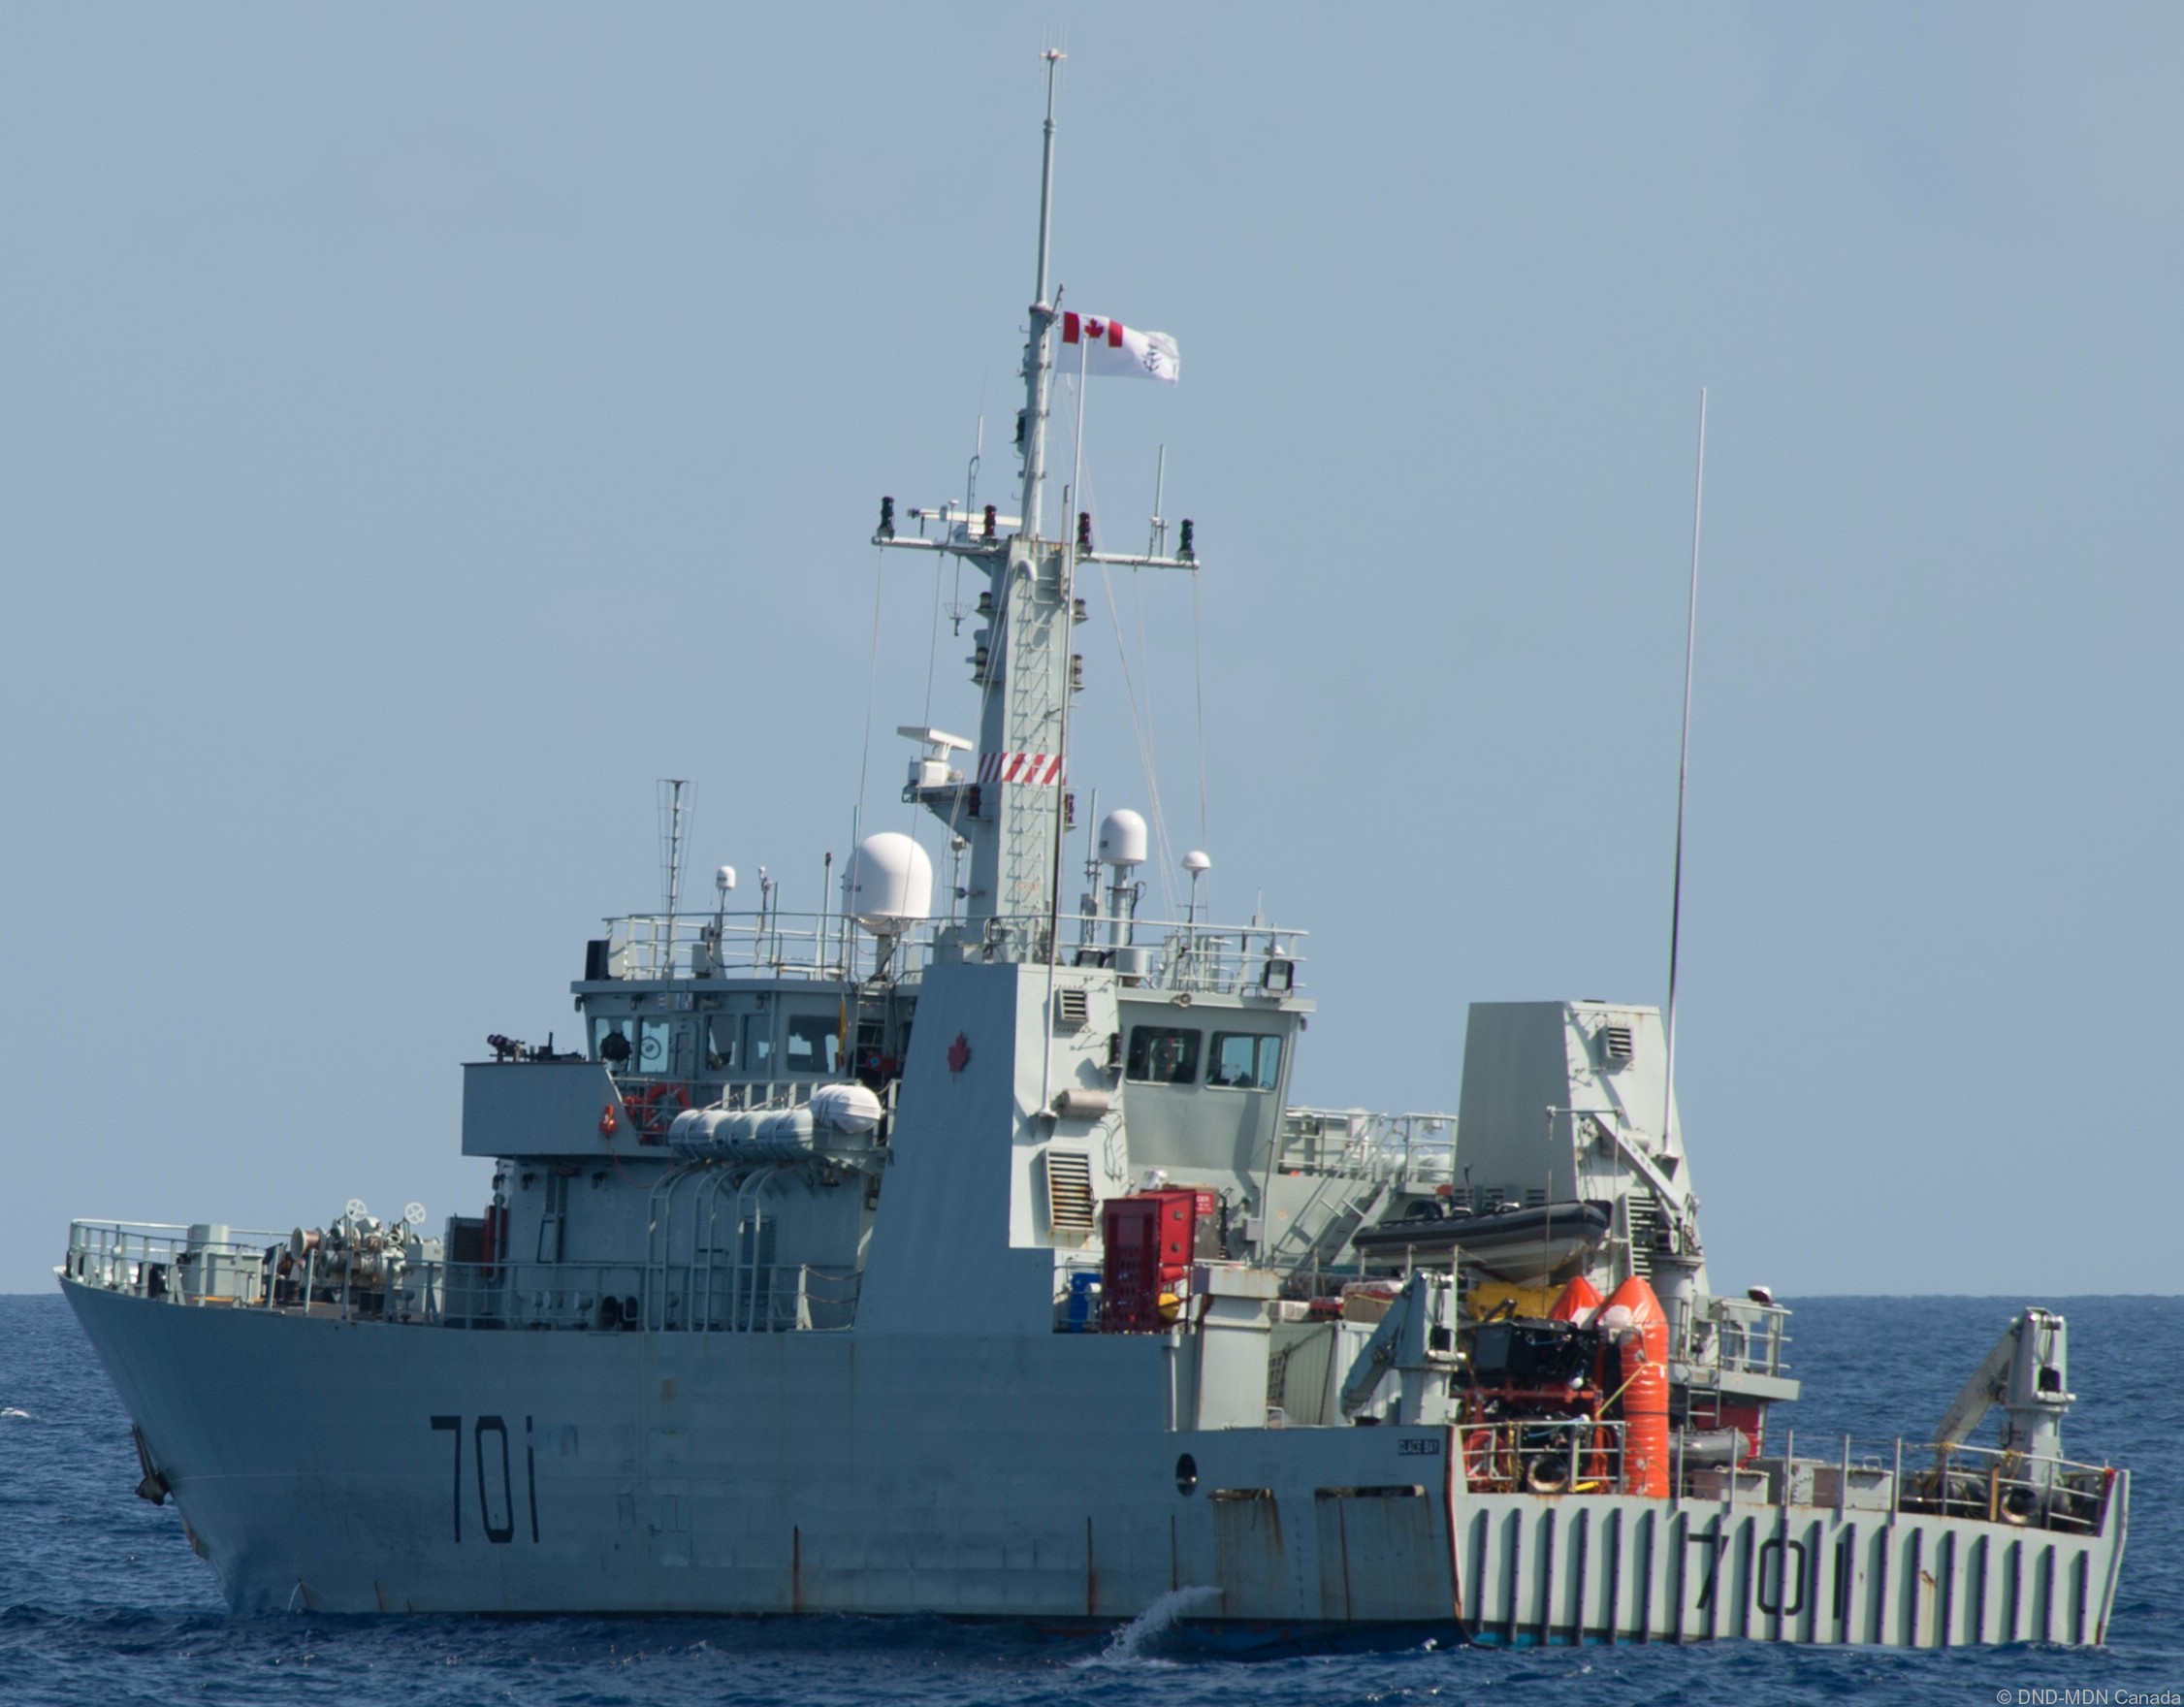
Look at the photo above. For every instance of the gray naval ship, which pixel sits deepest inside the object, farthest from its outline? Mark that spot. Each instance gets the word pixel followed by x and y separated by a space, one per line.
pixel 975 1261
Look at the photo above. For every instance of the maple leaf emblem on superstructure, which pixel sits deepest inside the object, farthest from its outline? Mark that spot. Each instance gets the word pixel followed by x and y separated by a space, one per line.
pixel 959 1054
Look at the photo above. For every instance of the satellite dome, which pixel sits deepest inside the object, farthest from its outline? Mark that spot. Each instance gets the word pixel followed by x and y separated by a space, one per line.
pixel 1122 838
pixel 1196 862
pixel 888 884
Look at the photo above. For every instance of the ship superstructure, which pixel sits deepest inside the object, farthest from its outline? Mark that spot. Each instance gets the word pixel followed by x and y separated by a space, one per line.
pixel 972 1257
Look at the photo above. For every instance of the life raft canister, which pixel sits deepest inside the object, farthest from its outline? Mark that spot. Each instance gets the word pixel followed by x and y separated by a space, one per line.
pixel 1575 1302
pixel 1642 1338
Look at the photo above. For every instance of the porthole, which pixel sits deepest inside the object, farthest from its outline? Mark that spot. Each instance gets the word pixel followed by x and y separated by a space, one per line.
pixel 1186 1474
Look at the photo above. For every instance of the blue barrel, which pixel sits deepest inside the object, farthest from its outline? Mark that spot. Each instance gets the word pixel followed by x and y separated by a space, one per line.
pixel 1082 1312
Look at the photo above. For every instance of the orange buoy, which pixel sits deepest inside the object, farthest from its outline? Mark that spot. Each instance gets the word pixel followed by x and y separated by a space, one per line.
pixel 1575 1302
pixel 608 1124
pixel 1633 1314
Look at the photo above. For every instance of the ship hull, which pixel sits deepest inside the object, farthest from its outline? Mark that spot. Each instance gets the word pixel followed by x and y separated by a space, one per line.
pixel 364 1467
pixel 350 1467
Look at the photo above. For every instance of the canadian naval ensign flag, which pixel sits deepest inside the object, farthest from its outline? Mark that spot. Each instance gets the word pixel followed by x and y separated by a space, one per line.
pixel 1108 346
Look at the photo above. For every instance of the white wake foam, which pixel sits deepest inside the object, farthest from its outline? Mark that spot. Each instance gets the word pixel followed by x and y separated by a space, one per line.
pixel 1156 1621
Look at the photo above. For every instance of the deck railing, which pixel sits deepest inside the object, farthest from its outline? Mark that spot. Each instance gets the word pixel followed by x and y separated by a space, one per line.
pixel 1733 1334
pixel 1543 1454
pixel 1177 954
pixel 1985 1484
pixel 197 1263
pixel 1412 1150
pixel 223 1268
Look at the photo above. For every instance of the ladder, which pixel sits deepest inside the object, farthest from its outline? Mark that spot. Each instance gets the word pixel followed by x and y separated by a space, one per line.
pixel 1033 688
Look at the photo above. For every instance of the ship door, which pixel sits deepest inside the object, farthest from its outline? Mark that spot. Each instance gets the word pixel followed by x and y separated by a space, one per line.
pixel 551 1222
pixel 1380 1555
pixel 1251 1567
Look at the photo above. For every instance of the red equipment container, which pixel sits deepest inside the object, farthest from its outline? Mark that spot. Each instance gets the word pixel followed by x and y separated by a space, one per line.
pixel 1150 1241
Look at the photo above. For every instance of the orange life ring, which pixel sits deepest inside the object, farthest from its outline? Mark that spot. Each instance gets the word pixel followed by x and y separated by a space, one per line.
pixel 608 1124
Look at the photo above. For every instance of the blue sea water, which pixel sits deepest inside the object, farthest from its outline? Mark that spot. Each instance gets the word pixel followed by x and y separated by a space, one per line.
pixel 101 1600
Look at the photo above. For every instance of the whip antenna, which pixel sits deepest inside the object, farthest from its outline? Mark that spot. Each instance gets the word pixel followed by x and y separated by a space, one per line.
pixel 1683 774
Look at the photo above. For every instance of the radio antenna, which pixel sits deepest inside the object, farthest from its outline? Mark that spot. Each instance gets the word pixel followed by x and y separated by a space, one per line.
pixel 1682 776
pixel 674 823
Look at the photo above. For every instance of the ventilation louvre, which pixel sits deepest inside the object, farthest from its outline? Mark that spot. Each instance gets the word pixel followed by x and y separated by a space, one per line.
pixel 1070 1208
pixel 1072 1009
pixel 1644 1219
pixel 1617 1046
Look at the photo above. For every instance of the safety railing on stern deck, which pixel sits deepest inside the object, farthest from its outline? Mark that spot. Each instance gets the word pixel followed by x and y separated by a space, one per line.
pixel 1543 1454
pixel 1983 1484
pixel 1986 1484
pixel 1733 1334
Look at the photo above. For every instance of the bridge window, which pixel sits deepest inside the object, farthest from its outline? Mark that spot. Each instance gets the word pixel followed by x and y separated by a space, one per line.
pixel 663 1048
pixel 1245 1061
pixel 1160 1054
pixel 615 1042
pixel 814 1043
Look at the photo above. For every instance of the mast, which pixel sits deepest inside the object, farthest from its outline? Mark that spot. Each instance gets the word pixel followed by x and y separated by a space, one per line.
pixel 1014 808
pixel 1017 831
pixel 1039 361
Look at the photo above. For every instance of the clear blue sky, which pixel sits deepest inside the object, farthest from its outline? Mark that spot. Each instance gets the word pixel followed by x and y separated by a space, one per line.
pixel 423 427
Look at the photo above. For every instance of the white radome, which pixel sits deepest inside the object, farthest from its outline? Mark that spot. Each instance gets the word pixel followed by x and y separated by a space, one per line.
pixel 888 884
pixel 1122 838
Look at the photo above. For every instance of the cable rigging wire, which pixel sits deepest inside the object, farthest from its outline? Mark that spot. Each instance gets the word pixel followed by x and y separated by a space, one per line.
pixel 871 673
pixel 1198 675
pixel 1141 711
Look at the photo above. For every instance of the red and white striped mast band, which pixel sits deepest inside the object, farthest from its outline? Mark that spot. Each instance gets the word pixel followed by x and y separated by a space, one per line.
pixel 1037 768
